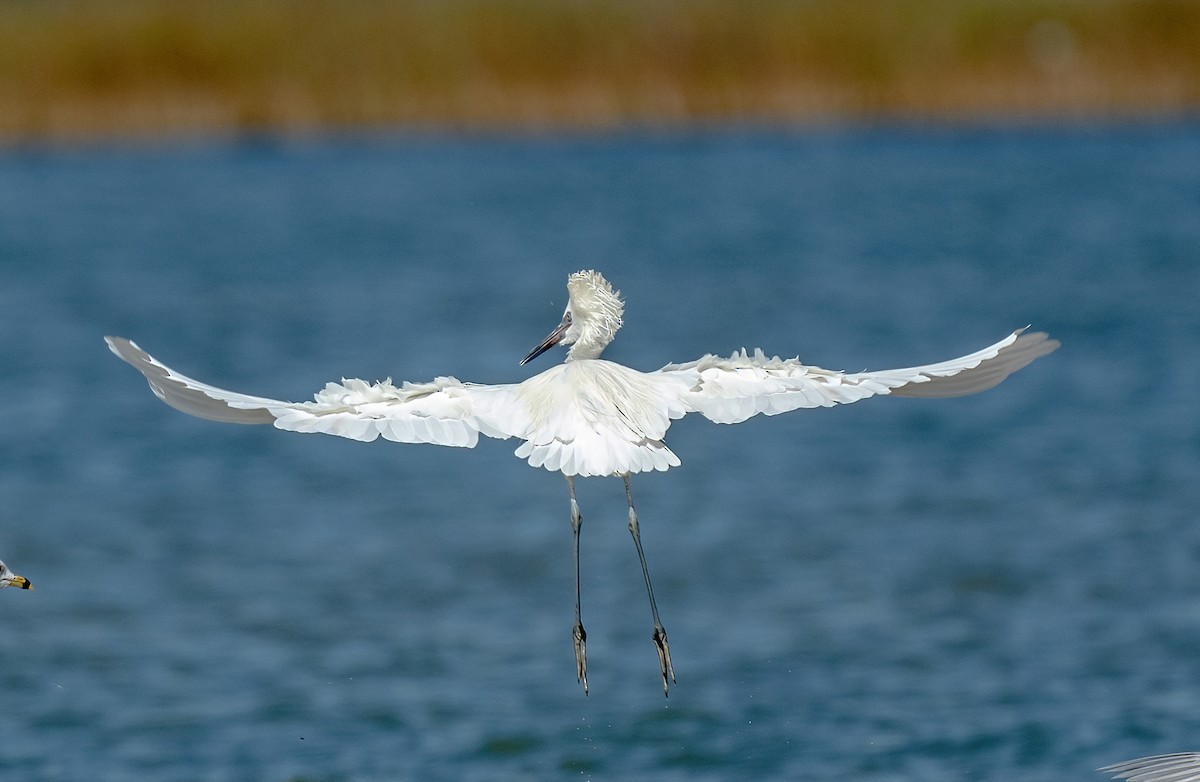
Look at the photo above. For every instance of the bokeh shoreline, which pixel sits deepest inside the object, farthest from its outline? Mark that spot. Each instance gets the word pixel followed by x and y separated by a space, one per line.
pixel 80 70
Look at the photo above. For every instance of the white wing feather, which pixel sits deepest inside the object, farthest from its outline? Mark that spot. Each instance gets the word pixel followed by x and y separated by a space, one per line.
pixel 444 411
pixel 1177 767
pixel 730 390
pixel 584 417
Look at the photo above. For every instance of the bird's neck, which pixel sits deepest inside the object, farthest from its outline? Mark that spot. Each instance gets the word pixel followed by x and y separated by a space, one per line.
pixel 585 350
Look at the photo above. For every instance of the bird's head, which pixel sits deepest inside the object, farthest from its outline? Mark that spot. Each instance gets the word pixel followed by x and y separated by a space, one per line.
pixel 591 320
pixel 11 579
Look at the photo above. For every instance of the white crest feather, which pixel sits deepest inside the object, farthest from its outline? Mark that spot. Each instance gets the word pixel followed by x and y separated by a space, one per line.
pixel 596 310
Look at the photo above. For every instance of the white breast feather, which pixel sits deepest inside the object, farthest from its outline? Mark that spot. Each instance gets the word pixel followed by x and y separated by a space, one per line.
pixel 593 417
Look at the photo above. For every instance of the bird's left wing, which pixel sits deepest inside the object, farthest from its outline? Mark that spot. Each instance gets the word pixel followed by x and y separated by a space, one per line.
pixel 730 390
pixel 1177 767
pixel 443 411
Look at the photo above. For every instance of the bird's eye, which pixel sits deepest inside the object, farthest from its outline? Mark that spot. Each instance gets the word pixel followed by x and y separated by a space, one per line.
pixel 567 318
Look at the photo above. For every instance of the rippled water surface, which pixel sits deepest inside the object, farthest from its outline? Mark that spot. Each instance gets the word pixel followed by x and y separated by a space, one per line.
pixel 1000 587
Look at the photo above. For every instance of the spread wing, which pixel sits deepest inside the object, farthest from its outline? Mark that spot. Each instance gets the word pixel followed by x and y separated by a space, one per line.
pixel 730 390
pixel 444 411
pixel 1177 767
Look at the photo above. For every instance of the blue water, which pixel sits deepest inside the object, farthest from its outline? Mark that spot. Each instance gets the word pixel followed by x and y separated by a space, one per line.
pixel 1000 587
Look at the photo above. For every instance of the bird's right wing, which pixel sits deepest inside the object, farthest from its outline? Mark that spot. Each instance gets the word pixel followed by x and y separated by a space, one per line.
pixel 443 411
pixel 1177 767
pixel 730 390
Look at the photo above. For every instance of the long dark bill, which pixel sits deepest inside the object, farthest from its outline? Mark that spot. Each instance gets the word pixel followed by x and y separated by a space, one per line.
pixel 555 337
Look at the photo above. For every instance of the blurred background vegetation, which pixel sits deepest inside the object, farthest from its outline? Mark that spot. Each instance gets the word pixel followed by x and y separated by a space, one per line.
pixel 78 69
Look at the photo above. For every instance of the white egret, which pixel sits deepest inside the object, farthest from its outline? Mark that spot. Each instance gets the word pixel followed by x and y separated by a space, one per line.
pixel 1176 767
pixel 11 579
pixel 587 416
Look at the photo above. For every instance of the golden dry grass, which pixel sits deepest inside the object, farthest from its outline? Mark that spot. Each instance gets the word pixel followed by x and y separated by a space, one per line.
pixel 81 69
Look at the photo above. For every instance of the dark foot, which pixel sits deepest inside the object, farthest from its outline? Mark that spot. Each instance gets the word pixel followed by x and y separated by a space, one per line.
pixel 581 655
pixel 664 656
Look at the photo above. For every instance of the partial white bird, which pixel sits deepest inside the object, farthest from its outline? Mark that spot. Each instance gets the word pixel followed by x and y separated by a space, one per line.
pixel 1176 767
pixel 11 579
pixel 586 416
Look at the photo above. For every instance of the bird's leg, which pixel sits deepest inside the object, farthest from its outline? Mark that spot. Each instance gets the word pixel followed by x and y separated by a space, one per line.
pixel 660 634
pixel 579 634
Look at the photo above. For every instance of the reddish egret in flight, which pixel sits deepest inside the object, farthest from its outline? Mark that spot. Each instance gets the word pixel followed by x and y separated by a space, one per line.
pixel 587 416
